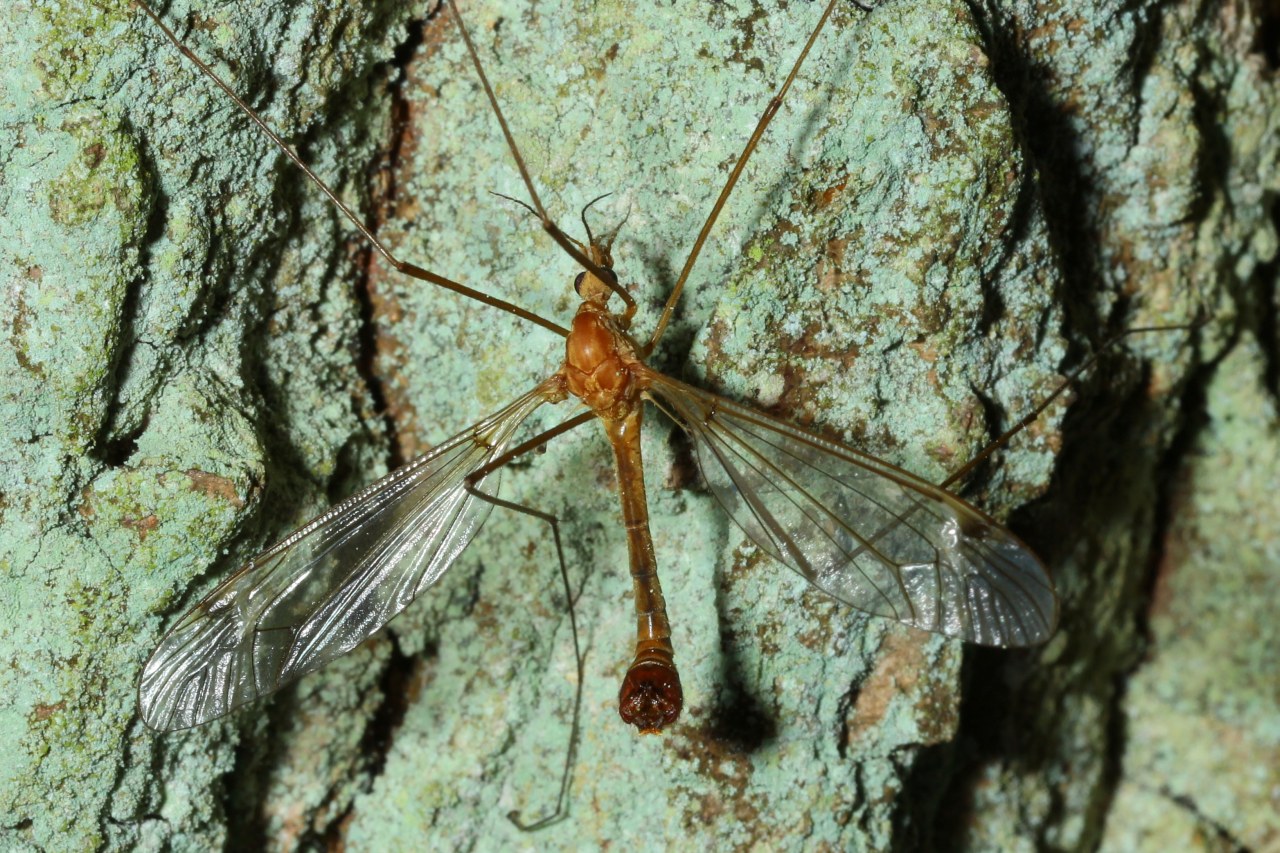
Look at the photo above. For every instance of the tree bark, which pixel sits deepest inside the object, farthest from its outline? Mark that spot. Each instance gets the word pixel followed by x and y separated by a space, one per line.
pixel 955 205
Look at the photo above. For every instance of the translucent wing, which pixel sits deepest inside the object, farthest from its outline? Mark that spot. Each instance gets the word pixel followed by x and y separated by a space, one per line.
pixel 863 531
pixel 318 593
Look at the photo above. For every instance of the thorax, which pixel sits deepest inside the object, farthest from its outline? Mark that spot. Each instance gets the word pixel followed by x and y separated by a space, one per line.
pixel 601 366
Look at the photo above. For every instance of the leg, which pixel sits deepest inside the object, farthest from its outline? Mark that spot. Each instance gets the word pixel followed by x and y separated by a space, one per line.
pixel 561 810
pixel 750 147
pixel 548 224
pixel 1025 421
pixel 1030 418
pixel 403 266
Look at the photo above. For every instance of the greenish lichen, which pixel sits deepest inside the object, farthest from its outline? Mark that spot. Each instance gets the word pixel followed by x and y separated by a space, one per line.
pixel 1202 756
pixel 136 259
pixel 948 197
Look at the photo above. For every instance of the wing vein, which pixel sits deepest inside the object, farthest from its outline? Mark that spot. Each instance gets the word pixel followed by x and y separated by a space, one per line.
pixel 865 532
pixel 325 588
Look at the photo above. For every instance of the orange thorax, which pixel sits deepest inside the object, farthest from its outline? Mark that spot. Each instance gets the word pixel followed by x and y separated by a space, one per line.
pixel 599 362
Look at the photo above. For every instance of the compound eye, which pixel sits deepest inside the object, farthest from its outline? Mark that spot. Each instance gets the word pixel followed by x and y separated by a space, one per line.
pixel 577 283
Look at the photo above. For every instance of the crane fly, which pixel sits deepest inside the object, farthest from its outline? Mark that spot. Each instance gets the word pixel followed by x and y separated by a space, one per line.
pixel 865 532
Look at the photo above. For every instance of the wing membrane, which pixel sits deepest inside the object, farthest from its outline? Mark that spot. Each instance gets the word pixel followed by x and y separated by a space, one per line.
pixel 863 531
pixel 326 587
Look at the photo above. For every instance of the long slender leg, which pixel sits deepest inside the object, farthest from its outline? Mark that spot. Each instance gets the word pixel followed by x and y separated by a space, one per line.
pixel 1025 421
pixel 403 266
pixel 548 224
pixel 1029 418
pixel 561 808
pixel 750 147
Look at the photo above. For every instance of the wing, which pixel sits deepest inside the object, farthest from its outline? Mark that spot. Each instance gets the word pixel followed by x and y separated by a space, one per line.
pixel 326 587
pixel 863 531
